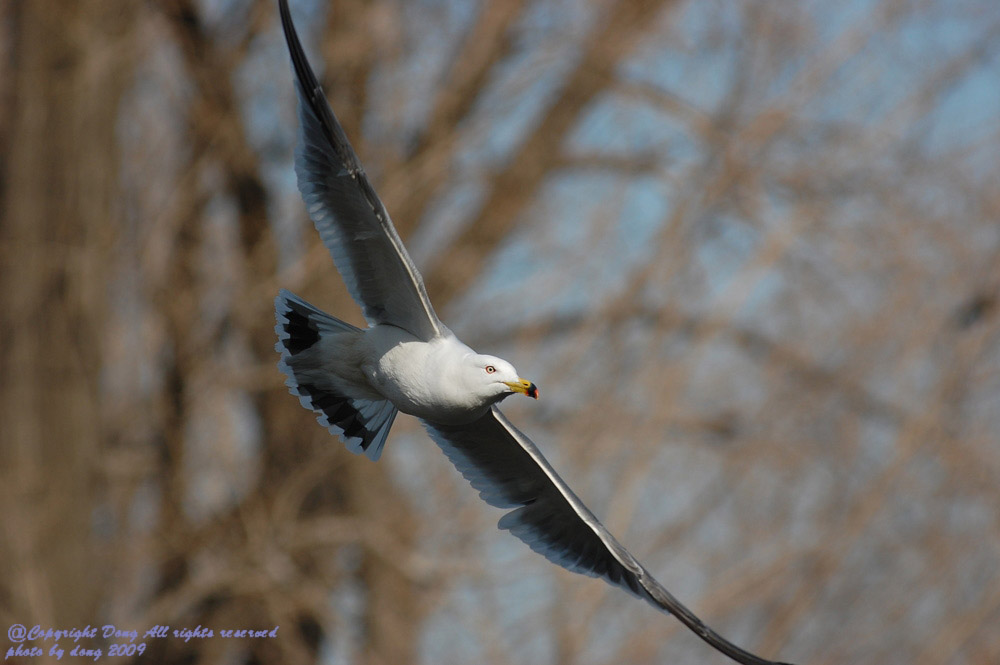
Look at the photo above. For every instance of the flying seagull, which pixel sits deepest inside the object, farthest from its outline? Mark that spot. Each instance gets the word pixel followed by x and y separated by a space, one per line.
pixel 407 360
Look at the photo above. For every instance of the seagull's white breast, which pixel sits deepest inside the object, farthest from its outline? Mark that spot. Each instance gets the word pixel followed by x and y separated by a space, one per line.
pixel 423 379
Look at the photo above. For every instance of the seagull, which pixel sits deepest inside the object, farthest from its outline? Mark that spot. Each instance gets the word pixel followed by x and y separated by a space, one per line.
pixel 356 380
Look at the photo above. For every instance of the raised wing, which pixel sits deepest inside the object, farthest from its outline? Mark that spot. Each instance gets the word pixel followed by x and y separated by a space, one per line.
pixel 348 214
pixel 510 472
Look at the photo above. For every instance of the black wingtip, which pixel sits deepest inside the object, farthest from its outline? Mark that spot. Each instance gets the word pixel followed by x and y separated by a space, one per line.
pixel 663 599
pixel 286 18
pixel 311 96
pixel 303 72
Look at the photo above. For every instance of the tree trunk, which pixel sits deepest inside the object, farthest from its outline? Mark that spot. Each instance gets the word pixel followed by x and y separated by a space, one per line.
pixel 66 75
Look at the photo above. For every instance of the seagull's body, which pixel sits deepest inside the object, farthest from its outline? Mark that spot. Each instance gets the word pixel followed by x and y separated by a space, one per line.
pixel 407 360
pixel 427 379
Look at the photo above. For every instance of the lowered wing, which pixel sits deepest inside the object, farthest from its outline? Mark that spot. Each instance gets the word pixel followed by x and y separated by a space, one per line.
pixel 348 214
pixel 510 472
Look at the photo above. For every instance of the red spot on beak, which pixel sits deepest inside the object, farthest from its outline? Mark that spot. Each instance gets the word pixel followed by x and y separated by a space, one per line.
pixel 532 391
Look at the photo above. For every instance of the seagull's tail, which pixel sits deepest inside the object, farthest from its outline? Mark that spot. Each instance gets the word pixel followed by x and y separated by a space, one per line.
pixel 362 424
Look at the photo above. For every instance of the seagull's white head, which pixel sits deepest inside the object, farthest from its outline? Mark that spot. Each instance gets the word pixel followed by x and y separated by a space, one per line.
pixel 494 378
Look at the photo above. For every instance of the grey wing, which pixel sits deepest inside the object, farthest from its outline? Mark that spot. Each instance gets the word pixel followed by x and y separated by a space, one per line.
pixel 510 472
pixel 348 214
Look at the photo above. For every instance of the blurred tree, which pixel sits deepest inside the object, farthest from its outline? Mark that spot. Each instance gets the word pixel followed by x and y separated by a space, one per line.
pixel 749 250
pixel 58 180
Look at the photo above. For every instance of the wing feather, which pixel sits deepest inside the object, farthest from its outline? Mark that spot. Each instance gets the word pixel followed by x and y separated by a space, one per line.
pixel 510 472
pixel 351 219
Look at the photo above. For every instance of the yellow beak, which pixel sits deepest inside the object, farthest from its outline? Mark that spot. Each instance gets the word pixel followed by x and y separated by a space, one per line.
pixel 523 387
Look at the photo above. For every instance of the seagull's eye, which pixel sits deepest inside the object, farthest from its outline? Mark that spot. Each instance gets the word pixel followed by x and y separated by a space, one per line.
pixel 490 369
